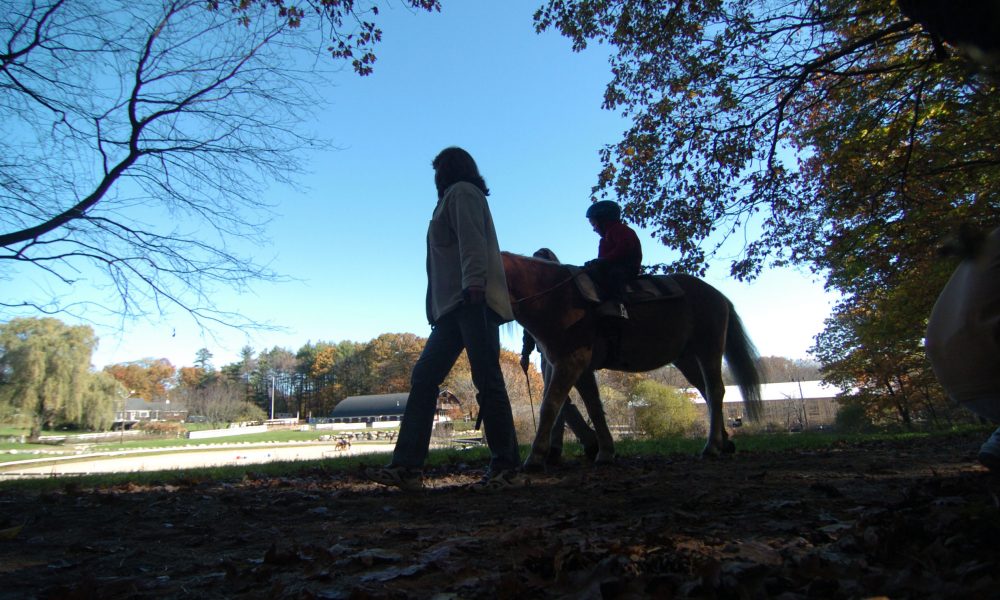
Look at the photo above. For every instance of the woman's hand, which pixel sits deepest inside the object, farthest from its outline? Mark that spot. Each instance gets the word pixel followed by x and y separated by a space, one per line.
pixel 474 294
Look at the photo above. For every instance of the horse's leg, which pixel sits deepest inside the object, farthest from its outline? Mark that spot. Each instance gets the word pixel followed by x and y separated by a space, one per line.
pixel 578 425
pixel 718 439
pixel 708 380
pixel 586 384
pixel 564 375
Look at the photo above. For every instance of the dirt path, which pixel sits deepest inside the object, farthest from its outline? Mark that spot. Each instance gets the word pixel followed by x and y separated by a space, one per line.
pixel 918 519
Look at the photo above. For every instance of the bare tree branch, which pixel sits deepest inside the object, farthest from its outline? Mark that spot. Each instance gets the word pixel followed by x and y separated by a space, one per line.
pixel 139 130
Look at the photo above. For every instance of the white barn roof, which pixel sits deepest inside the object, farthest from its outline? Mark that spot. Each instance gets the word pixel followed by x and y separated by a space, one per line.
pixel 786 390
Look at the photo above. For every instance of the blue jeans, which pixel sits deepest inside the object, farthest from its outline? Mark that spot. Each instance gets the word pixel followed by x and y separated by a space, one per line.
pixel 475 329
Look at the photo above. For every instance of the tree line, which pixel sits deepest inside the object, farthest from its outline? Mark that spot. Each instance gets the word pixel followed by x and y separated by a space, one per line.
pixel 46 379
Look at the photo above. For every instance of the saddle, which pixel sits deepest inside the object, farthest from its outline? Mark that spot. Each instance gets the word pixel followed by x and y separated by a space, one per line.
pixel 646 288
pixel 642 290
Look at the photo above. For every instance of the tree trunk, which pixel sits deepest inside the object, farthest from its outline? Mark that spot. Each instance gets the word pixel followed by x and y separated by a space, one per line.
pixel 36 430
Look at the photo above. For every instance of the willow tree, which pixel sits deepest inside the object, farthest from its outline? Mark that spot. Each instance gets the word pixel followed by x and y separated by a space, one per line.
pixel 102 397
pixel 44 368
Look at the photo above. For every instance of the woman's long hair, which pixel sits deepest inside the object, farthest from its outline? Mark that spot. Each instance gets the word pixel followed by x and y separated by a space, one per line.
pixel 454 164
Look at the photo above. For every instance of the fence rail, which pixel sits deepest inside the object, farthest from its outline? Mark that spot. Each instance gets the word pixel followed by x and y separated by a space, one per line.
pixel 48 439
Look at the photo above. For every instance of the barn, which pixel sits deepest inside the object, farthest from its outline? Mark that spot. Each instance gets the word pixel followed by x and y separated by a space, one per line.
pixel 789 405
pixel 370 409
pixel 383 408
pixel 137 410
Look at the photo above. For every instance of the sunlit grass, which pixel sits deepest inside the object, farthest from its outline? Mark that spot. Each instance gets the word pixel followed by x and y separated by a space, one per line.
pixel 474 457
pixel 12 453
pixel 777 442
pixel 8 430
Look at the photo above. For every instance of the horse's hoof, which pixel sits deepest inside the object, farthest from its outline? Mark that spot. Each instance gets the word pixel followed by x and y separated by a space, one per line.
pixel 591 452
pixel 716 454
pixel 604 459
pixel 533 465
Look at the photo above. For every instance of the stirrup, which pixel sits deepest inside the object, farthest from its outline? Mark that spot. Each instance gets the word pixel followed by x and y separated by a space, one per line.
pixel 612 308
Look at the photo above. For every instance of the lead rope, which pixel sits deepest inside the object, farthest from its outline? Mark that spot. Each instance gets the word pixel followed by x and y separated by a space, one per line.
pixel 531 401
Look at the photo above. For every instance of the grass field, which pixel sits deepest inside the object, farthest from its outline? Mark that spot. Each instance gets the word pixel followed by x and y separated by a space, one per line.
pixel 7 431
pixel 760 442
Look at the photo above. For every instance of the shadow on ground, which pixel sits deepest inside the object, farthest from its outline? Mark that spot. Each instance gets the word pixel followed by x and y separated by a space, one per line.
pixel 917 519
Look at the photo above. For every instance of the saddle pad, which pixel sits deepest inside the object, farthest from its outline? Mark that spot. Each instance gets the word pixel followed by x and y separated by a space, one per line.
pixel 586 285
pixel 646 288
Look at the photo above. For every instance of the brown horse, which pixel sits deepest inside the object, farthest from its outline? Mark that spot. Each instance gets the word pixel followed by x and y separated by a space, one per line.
pixel 694 331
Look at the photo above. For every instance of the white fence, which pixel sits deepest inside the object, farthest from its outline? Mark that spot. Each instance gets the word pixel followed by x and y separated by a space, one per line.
pixel 348 426
pixel 214 433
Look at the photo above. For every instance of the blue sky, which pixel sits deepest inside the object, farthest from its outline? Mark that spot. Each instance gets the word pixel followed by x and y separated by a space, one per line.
pixel 529 111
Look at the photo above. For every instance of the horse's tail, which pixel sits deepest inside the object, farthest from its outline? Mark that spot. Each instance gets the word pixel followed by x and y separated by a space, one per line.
pixel 742 358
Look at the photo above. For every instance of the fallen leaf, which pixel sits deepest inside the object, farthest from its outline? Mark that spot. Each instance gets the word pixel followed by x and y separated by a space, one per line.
pixel 393 573
pixel 10 533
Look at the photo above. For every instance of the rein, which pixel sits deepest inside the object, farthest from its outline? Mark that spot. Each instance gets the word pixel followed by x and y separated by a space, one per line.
pixel 545 291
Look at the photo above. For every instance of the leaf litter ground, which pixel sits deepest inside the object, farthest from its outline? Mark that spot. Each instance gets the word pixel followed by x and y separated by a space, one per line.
pixel 916 519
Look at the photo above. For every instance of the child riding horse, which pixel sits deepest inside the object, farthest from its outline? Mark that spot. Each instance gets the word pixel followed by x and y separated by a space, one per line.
pixel 694 331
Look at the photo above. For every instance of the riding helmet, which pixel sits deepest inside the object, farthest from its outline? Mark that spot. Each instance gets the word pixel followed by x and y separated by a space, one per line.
pixel 605 210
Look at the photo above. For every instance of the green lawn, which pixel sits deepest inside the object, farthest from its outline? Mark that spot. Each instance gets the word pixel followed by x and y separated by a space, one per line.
pixel 12 431
pixel 13 452
pixel 776 442
pixel 9 431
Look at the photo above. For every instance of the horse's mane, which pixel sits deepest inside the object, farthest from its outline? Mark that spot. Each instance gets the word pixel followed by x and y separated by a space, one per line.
pixel 524 256
pixel 535 259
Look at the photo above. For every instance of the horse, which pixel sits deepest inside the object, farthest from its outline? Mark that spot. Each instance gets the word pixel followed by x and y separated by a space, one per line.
pixel 693 330
pixel 961 338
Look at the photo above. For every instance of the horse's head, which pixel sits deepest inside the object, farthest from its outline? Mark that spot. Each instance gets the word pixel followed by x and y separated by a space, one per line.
pixel 524 275
pixel 515 267
pixel 529 277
